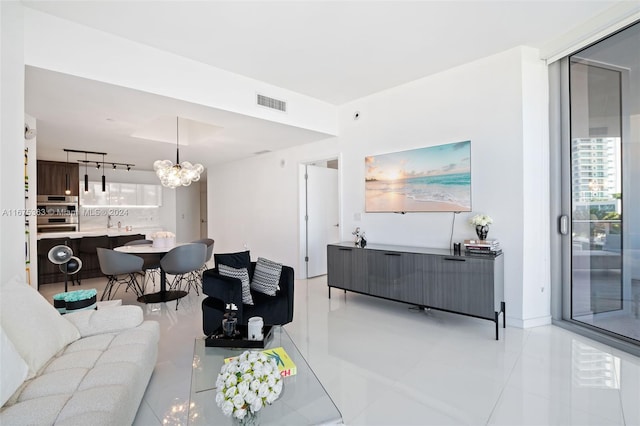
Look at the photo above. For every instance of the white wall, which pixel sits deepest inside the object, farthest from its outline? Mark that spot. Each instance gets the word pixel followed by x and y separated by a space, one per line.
pixel 31 204
pixel 12 260
pixel 495 102
pixel 188 213
pixel 536 271
pixel 255 202
pixel 64 46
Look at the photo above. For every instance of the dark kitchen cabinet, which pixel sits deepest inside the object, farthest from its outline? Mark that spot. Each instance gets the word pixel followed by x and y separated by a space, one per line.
pixel 84 248
pixel 52 178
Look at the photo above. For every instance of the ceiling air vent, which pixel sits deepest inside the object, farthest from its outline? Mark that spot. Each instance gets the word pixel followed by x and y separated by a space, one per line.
pixel 272 103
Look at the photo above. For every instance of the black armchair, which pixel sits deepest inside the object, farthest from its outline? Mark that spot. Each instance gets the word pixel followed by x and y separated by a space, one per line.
pixel 221 290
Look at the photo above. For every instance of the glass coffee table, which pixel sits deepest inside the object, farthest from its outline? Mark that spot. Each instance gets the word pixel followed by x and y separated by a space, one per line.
pixel 303 400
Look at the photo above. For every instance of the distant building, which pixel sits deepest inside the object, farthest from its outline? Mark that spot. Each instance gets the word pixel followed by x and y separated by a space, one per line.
pixel 595 170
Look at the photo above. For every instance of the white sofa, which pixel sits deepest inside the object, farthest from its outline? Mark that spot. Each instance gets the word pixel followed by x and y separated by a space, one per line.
pixel 85 368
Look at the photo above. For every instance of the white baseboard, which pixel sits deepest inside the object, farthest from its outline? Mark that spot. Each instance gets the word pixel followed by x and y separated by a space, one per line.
pixel 529 323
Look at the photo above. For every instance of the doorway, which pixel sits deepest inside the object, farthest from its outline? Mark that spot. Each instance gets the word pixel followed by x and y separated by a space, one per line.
pixel 204 230
pixel 600 198
pixel 320 213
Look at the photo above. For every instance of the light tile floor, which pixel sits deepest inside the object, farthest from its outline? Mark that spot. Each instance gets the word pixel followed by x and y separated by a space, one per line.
pixel 384 363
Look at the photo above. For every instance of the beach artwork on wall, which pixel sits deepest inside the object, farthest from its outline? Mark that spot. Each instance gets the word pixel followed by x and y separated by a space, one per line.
pixel 431 179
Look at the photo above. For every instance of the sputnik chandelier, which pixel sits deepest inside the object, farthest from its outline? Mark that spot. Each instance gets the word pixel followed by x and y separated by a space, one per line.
pixel 179 174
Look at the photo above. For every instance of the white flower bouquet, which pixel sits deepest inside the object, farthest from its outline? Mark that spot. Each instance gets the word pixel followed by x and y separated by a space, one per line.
pixel 481 220
pixel 163 234
pixel 163 239
pixel 248 383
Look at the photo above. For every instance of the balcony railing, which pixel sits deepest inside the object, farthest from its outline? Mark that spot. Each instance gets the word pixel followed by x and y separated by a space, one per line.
pixel 592 234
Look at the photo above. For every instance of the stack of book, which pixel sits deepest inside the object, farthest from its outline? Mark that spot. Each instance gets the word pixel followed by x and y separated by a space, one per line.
pixel 483 247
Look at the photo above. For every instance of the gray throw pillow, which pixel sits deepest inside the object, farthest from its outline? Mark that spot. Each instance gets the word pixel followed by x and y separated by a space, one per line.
pixel 243 275
pixel 266 276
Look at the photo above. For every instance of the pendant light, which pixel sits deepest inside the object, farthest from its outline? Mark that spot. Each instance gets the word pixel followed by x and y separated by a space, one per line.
pixel 179 174
pixel 67 185
pixel 86 162
pixel 104 181
pixel 86 176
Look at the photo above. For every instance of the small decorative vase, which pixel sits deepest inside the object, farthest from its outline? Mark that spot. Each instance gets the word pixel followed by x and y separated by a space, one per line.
pixel 251 419
pixel 229 326
pixel 482 231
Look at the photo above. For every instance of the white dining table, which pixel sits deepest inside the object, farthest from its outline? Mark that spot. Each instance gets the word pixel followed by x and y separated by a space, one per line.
pixel 163 295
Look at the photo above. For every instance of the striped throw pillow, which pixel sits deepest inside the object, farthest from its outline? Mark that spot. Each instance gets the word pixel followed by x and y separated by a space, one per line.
pixel 243 275
pixel 266 276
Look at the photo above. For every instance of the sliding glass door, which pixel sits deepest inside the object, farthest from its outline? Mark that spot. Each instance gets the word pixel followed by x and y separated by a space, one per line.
pixel 604 168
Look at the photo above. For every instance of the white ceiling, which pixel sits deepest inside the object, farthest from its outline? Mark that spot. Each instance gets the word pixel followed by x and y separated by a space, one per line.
pixel 139 127
pixel 336 51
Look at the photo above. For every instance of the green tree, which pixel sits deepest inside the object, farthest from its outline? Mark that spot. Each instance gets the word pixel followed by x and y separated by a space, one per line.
pixel 614 228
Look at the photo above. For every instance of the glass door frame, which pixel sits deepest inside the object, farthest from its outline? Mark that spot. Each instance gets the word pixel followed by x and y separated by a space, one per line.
pixel 561 203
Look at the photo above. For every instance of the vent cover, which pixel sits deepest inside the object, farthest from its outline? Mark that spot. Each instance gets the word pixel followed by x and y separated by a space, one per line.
pixel 272 103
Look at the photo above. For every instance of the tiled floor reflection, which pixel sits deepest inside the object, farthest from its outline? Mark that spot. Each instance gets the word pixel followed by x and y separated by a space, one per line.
pixel 386 364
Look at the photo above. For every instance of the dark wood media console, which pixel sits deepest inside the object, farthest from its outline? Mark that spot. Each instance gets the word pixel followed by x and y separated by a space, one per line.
pixel 471 285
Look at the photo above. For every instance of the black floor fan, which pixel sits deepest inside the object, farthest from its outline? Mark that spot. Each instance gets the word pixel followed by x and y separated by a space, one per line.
pixel 69 264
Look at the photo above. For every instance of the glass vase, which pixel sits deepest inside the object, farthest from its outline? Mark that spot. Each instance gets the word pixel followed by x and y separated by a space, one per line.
pixel 229 326
pixel 250 419
pixel 482 231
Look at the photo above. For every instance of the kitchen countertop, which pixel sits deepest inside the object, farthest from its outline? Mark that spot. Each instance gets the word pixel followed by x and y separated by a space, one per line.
pixel 111 232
